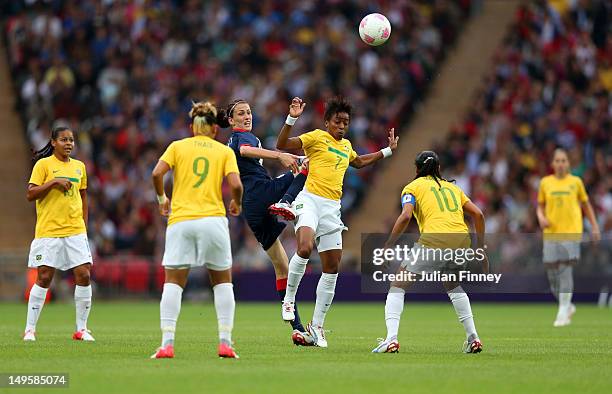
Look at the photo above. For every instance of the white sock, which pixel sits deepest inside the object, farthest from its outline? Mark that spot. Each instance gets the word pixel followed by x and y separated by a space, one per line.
pixel 225 305
pixel 82 301
pixel 461 303
pixel 325 295
pixel 297 267
pixel 393 311
pixel 35 305
pixel 566 288
pixel 169 309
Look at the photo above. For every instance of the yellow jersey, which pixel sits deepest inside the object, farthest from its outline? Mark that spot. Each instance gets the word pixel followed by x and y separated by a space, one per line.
pixel 329 160
pixel 438 210
pixel 561 6
pixel 562 200
pixel 199 165
pixel 59 213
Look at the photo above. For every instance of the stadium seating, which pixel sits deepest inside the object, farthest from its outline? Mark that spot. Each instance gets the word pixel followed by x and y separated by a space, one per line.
pixel 550 85
pixel 124 76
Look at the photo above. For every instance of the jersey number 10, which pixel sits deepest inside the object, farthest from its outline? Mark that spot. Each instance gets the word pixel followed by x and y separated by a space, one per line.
pixel 196 170
pixel 444 191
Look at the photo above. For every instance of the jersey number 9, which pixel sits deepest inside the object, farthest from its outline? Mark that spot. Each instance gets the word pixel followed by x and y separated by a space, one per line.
pixel 203 173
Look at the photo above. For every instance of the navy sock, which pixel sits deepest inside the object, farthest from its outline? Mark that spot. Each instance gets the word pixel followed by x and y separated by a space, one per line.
pixel 297 323
pixel 294 189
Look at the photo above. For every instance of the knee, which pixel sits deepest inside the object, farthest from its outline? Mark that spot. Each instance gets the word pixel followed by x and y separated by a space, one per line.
pixel 44 279
pixel 452 287
pixel 82 277
pixel 304 249
pixel 398 285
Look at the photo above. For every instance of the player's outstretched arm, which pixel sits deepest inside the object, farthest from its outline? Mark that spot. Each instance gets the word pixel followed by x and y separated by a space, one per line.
pixel 158 183
pixel 286 159
pixel 590 214
pixel 371 158
pixel 235 206
pixel 284 141
pixel 401 223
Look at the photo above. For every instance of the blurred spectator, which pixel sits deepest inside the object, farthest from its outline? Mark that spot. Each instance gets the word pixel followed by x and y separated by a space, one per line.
pixel 549 86
pixel 123 74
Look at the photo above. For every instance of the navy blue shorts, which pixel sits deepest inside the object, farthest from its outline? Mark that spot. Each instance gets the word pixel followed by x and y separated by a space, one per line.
pixel 255 205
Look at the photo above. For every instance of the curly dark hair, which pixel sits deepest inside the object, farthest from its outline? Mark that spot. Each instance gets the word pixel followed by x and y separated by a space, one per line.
pixel 337 105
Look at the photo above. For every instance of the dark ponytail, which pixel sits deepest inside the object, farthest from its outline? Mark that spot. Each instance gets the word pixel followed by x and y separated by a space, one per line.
pixel 47 150
pixel 222 119
pixel 428 164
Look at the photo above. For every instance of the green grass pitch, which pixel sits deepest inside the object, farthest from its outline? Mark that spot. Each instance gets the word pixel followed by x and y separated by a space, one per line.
pixel 523 353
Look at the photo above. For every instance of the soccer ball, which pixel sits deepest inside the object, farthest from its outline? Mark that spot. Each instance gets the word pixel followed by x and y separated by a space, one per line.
pixel 374 29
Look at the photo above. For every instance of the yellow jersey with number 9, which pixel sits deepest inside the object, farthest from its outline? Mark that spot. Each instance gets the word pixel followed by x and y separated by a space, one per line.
pixel 438 210
pixel 562 199
pixel 59 213
pixel 329 160
pixel 199 163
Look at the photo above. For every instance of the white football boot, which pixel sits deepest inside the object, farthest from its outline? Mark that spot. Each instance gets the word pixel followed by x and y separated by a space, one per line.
pixel 29 335
pixel 83 335
pixel 318 335
pixel 387 346
pixel 288 311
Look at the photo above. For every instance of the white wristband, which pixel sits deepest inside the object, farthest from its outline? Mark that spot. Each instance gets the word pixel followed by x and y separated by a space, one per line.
pixel 161 198
pixel 290 121
pixel 386 152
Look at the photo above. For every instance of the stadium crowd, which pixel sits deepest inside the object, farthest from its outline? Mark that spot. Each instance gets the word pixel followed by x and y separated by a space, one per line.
pixel 550 85
pixel 123 74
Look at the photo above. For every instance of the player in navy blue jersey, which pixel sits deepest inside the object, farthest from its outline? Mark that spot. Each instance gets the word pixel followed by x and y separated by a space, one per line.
pixel 262 194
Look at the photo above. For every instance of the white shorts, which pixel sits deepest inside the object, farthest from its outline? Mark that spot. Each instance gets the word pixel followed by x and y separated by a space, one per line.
pixel 427 260
pixel 198 242
pixel 62 253
pixel 555 251
pixel 323 216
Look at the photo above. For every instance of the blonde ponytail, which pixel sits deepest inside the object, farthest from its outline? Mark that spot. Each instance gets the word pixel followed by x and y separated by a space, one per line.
pixel 203 118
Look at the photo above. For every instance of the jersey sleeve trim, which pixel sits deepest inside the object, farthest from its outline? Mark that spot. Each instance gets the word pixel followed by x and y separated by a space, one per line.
pixel 169 165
